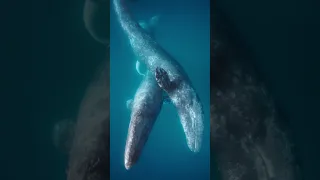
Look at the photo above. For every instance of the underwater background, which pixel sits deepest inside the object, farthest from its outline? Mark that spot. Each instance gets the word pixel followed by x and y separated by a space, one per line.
pixel 184 31
pixel 47 68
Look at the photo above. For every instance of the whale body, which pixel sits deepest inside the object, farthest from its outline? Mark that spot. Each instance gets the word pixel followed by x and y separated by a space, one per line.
pixel 183 96
pixel 145 108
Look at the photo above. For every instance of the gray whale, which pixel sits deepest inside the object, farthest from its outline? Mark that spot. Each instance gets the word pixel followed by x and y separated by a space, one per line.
pixel 145 108
pixel 183 96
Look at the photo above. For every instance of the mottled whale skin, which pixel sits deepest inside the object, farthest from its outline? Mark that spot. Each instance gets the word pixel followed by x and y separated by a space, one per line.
pixel 249 140
pixel 145 109
pixel 183 96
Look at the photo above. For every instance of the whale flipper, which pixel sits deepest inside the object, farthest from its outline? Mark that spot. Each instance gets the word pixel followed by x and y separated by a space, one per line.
pixel 138 68
pixel 163 80
pixel 150 25
pixel 129 104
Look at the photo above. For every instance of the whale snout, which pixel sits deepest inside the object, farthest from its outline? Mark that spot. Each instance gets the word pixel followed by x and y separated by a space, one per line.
pixel 138 134
pixel 193 129
pixel 128 163
pixel 192 118
pixel 194 144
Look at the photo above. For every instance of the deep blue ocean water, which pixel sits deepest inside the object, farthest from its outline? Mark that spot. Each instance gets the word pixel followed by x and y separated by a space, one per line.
pixel 184 31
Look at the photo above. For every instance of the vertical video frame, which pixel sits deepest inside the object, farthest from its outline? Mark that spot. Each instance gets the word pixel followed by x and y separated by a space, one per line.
pixel 159 89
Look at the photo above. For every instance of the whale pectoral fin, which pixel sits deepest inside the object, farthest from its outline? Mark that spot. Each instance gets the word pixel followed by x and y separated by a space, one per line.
pixel 129 104
pixel 163 80
pixel 143 24
pixel 150 25
pixel 154 20
pixel 138 68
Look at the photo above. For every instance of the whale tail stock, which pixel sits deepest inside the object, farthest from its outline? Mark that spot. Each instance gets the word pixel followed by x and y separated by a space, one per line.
pixel 150 25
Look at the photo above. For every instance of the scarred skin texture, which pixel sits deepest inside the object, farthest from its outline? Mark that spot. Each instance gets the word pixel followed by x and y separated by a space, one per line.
pixel 248 140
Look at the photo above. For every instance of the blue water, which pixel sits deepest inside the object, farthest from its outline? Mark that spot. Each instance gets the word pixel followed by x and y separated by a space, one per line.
pixel 184 31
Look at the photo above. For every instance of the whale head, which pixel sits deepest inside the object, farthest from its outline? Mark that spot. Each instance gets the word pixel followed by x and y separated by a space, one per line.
pixel 145 109
pixel 187 102
pixel 139 129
